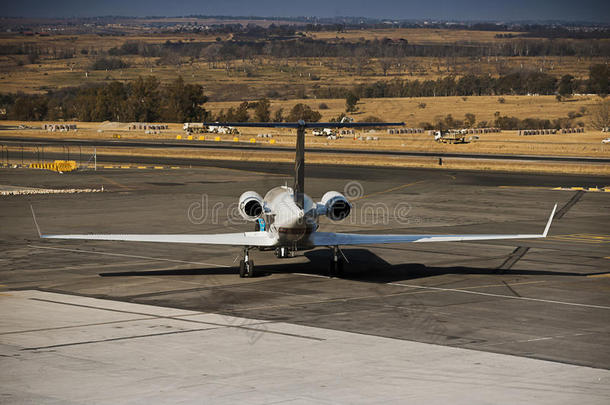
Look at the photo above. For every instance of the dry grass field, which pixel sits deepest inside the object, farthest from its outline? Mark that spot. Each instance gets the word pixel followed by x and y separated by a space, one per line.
pixel 262 77
pixel 408 110
pixel 586 144
pixel 415 36
pixel 259 76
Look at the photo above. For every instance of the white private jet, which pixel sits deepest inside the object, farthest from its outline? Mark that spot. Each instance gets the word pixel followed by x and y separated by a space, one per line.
pixel 287 219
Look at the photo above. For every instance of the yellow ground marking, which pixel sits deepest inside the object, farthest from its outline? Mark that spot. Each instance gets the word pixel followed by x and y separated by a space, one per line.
pixel 174 167
pixel 158 167
pixel 125 167
pixel 116 183
pixel 592 189
pixel 599 275
pixel 582 238
pixel 529 187
pixel 108 167
pixel 142 167
pixel 389 190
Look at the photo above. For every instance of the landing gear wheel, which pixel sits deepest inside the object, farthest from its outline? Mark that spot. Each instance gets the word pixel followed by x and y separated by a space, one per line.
pixel 249 268
pixel 335 268
pixel 336 262
pixel 246 268
pixel 340 267
pixel 242 268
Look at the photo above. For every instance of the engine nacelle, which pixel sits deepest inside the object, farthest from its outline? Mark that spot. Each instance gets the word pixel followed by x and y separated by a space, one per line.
pixel 335 206
pixel 251 205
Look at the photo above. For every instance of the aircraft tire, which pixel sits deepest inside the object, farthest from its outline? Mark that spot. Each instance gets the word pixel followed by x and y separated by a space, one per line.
pixel 250 269
pixel 242 268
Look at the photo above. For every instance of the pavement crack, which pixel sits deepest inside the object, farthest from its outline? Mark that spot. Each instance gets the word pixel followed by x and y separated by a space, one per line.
pixel 511 289
pixel 575 198
pixel 116 339
pixel 513 258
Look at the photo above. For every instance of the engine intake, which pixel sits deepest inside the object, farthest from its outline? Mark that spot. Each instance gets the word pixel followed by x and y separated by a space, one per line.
pixel 251 205
pixel 335 206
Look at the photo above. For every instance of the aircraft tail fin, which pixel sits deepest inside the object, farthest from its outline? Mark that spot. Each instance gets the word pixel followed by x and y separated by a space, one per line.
pixel 299 169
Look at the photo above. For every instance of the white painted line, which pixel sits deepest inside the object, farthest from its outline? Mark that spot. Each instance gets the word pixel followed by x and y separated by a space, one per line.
pixel 125 255
pixel 310 275
pixel 500 296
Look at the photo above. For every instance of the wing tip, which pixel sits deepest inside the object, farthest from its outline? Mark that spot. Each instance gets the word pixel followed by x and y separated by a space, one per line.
pixel 548 224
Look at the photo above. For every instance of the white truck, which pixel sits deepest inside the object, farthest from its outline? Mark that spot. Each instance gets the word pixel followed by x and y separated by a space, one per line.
pixel 323 132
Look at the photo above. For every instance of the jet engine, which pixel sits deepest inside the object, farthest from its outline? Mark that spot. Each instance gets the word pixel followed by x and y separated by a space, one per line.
pixel 335 206
pixel 250 205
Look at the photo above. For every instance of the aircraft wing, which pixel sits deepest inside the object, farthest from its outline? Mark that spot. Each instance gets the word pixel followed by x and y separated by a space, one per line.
pixel 336 239
pixel 231 239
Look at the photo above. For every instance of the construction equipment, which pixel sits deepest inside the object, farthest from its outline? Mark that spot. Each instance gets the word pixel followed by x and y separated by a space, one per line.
pixel 56 166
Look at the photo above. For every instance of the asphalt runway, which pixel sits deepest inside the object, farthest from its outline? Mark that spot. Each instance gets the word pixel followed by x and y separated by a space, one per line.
pixel 542 299
pixel 16 143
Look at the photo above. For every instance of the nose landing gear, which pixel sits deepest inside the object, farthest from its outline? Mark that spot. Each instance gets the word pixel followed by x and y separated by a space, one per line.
pixel 336 262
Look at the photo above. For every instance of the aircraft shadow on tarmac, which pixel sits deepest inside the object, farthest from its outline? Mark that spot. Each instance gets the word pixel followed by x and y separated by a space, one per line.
pixel 363 265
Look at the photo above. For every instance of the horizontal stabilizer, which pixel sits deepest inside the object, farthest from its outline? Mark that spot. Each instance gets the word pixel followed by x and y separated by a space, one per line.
pixel 303 124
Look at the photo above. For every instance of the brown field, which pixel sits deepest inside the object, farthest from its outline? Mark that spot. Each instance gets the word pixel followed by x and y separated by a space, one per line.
pixel 259 76
pixel 407 110
pixel 415 36
pixel 586 144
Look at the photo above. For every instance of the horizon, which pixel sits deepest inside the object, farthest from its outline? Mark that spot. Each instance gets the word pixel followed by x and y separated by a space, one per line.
pixel 588 11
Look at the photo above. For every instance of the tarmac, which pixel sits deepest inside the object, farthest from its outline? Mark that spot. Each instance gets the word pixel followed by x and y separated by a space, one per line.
pixel 490 322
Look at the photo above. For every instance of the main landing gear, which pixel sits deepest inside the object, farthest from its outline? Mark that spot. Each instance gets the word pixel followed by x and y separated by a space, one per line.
pixel 336 262
pixel 246 266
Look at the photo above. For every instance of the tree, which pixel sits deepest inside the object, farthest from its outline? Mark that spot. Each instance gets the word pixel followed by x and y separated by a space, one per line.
pixel 109 64
pixel 566 86
pixel 184 102
pixel 600 115
pixel 262 112
pixel 469 120
pixel 303 112
pixel 599 79
pixel 110 102
pixel 29 108
pixel 143 103
pixel 279 115
pixel 350 102
pixel 385 64
pixel 241 113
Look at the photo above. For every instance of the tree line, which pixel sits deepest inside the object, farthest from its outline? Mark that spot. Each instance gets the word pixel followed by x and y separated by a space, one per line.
pixel 142 100
pixel 377 48
pixel 147 100
pixel 517 83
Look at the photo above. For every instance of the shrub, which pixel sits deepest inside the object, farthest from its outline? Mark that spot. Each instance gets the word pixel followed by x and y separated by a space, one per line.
pixel 109 64
pixel 323 106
